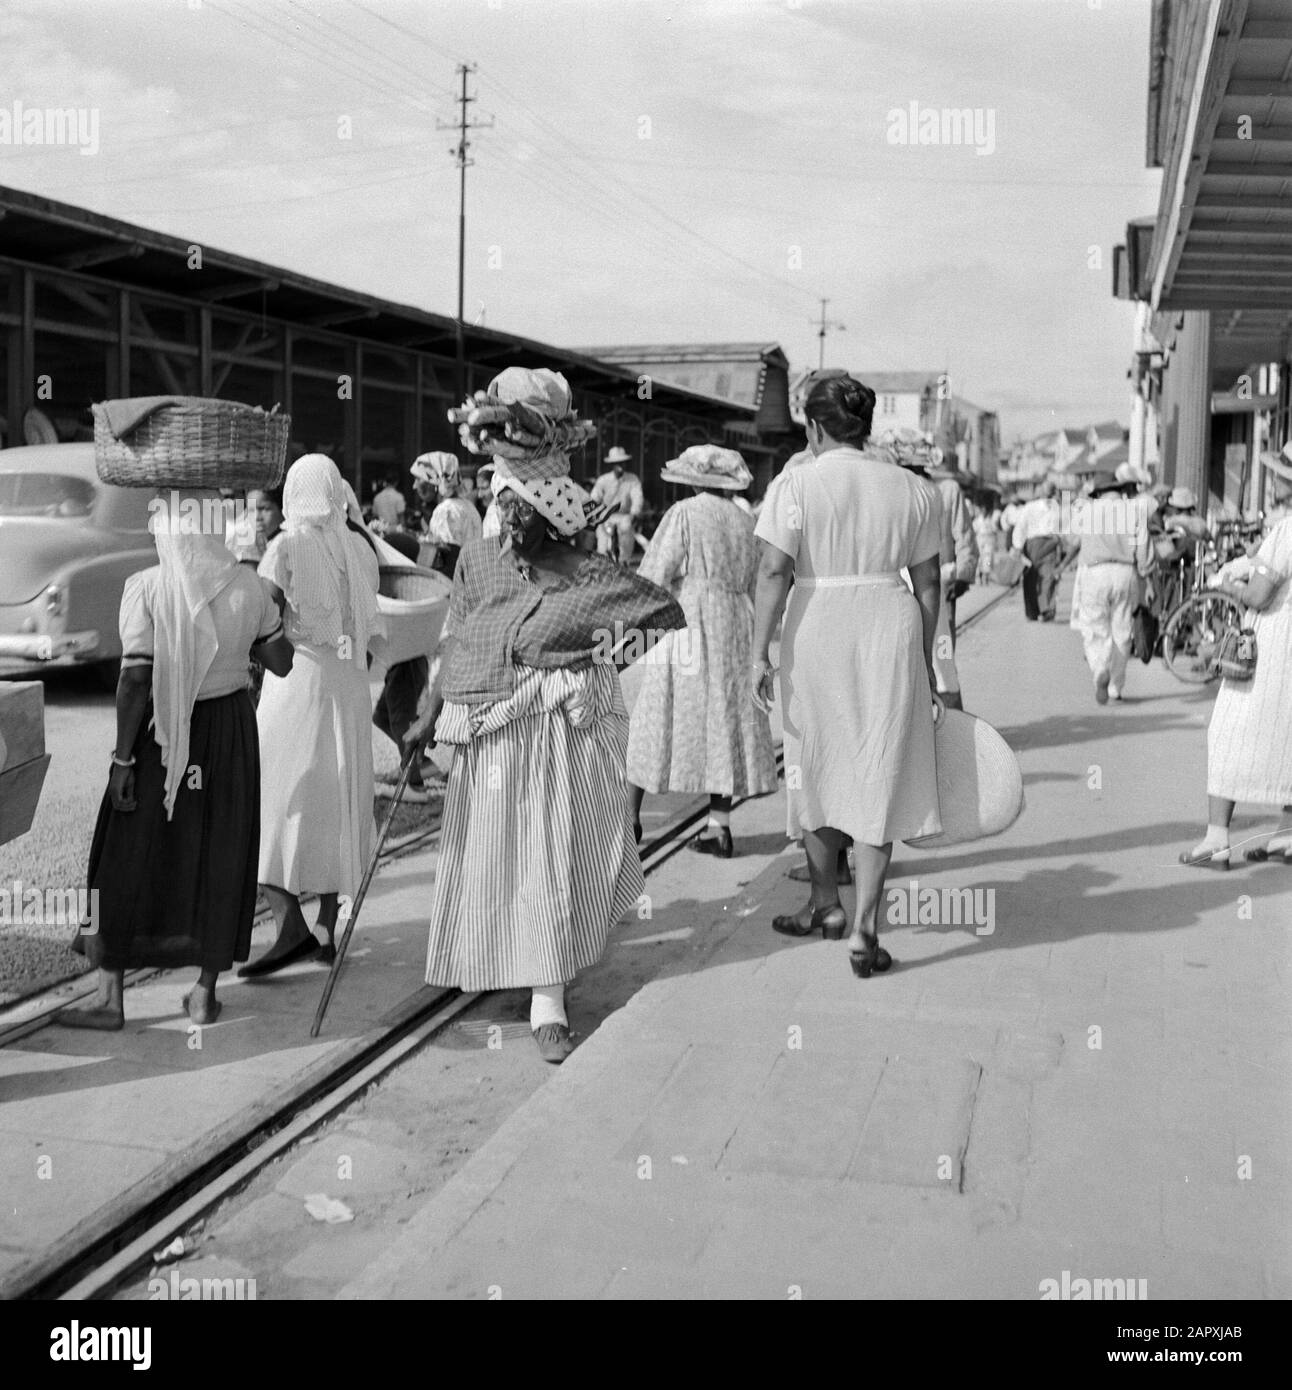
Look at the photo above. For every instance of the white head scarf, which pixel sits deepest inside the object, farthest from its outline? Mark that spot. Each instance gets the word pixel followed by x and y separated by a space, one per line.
pixel 195 567
pixel 329 583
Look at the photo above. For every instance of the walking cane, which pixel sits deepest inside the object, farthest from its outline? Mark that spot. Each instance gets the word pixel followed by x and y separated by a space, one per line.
pixel 362 893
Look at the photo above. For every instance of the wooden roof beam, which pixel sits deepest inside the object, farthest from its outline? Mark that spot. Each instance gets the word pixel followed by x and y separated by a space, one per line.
pixel 216 296
pixel 80 260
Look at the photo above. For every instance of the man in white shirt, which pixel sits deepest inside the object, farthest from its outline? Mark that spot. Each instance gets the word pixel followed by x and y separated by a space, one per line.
pixel 389 506
pixel 621 492
pixel 1037 536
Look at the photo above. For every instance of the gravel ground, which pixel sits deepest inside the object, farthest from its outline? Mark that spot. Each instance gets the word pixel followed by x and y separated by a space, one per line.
pixel 79 730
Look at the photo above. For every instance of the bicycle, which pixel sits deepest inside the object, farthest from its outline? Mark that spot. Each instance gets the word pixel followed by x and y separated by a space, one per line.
pixel 1195 626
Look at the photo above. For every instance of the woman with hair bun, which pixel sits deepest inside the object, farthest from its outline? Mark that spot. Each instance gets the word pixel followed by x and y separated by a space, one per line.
pixel 858 692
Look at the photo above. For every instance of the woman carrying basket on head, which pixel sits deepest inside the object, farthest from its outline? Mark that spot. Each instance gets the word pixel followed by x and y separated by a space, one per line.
pixel 173 860
pixel 537 855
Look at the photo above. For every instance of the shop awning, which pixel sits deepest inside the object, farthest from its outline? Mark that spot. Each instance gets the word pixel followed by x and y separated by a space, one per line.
pixel 1220 126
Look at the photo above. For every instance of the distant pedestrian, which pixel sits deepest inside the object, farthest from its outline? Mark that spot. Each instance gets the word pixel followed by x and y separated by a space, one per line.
pixel 620 492
pixel 1115 557
pixel 173 859
pixel 857 684
pixel 315 735
pixel 1036 535
pixel 1249 739
pixel 389 506
pixel 986 529
pixel 486 502
pixel 915 451
pixel 694 726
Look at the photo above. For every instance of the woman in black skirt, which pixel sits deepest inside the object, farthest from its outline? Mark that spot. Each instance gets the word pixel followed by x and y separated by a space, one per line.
pixel 173 859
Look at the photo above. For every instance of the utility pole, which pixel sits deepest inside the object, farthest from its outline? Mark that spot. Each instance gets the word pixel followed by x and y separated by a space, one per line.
pixel 462 125
pixel 824 325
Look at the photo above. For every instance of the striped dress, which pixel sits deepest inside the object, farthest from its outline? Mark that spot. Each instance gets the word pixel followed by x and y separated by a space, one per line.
pixel 1249 739
pixel 537 858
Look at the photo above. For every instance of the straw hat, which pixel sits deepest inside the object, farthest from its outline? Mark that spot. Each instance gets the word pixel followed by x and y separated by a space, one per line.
pixel 618 455
pixel 708 465
pixel 980 784
pixel 1182 497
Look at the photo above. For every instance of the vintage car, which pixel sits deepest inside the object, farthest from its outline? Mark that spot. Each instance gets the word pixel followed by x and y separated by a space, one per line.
pixel 67 544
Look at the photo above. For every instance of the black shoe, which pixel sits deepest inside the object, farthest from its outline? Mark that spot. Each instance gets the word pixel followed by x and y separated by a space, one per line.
pixel 873 959
pixel 831 921
pixel 718 843
pixel 257 969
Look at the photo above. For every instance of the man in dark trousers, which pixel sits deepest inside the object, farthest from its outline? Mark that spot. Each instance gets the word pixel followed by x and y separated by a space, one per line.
pixel 1038 536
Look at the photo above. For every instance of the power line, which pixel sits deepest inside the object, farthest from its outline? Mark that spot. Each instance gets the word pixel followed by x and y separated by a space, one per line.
pixel 463 125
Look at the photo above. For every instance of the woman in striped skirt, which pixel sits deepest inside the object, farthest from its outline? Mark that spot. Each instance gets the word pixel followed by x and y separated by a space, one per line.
pixel 537 854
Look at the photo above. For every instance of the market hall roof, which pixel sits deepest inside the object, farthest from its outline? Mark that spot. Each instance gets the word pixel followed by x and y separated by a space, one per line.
pixel 48 234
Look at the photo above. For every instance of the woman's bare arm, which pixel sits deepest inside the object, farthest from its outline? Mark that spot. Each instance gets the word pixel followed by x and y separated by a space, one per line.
pixel 926 580
pixel 775 575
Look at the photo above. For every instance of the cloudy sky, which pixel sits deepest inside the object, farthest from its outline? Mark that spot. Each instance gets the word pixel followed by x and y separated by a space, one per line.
pixel 657 170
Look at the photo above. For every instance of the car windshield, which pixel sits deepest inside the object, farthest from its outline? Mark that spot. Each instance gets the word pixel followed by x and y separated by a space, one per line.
pixel 45 494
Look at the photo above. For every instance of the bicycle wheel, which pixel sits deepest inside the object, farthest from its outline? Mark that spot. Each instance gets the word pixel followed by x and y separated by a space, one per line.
pixel 1191 641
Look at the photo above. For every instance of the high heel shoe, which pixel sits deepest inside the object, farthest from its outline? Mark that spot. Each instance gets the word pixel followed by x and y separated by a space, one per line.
pixel 874 959
pixel 831 922
pixel 719 843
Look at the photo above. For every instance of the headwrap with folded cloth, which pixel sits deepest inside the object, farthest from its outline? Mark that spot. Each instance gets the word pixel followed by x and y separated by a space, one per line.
pixel 195 567
pixel 561 502
pixel 439 468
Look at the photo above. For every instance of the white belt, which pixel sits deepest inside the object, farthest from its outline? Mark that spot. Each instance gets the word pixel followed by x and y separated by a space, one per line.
pixel 848 581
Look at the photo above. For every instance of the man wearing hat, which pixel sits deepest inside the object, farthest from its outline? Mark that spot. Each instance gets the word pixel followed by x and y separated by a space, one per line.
pixel 1112 532
pixel 620 494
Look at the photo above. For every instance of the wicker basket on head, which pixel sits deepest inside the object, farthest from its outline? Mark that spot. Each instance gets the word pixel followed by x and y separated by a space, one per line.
pixel 195 444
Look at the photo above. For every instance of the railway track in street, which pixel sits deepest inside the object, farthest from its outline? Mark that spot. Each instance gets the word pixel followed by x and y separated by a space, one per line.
pixel 103 1252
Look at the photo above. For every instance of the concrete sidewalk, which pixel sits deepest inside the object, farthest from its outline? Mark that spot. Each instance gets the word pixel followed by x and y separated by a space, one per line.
pixel 1095 1085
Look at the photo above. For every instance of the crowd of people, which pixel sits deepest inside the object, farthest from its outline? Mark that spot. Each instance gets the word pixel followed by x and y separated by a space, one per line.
pixel 856 557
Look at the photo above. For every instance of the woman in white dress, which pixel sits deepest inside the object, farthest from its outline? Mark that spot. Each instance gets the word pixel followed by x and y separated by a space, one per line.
pixel 858 691
pixel 316 782
pixel 1249 739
